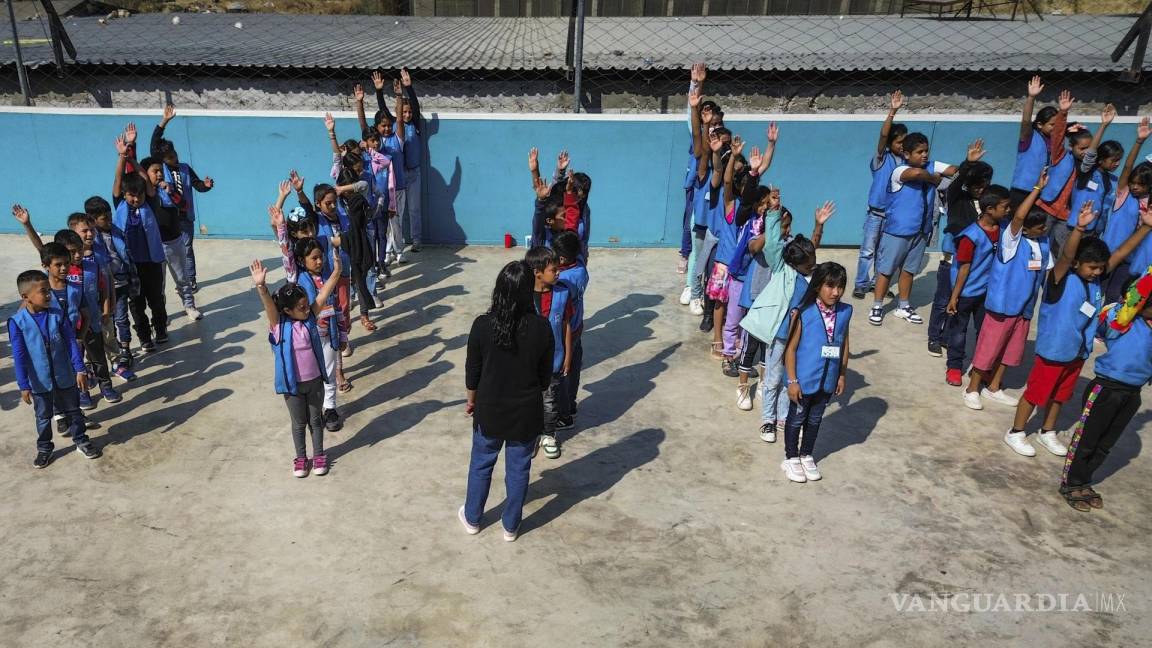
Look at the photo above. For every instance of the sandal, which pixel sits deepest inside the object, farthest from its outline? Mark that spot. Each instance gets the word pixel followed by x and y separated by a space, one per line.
pixel 1094 499
pixel 344 387
pixel 717 350
pixel 367 323
pixel 1077 498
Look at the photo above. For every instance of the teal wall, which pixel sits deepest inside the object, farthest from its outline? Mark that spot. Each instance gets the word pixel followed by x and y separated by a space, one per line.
pixel 477 185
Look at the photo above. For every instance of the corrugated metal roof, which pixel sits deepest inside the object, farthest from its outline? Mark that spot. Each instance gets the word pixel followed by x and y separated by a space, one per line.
pixel 792 43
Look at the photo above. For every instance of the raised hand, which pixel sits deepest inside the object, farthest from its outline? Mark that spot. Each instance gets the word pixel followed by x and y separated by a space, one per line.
pixel 377 79
pixel 754 158
pixel 562 161
pixel 896 101
pixel 329 122
pixel 285 188
pixel 296 179
pixel 695 97
pixel 699 72
pixel 1144 129
pixel 737 145
pixel 275 215
pixel 541 188
pixel 1035 87
pixel 1064 103
pixel 1042 181
pixel 405 78
pixel 773 133
pixel 169 113
pixel 335 241
pixel 358 93
pixel 209 182
pixel 773 198
pixel 396 88
pixel 534 160
pixel 1108 114
pixel 715 143
pixel 825 212
pixel 259 272
pixel 976 150
pixel 20 214
pixel 1087 215
pixel 121 145
pixel 130 133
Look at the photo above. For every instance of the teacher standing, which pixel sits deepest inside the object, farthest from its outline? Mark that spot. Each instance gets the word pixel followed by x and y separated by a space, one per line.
pixel 509 366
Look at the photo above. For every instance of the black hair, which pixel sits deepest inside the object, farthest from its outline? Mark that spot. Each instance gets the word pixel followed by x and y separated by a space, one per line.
pixel 288 296
pixel 134 184
pixel 1036 216
pixel 25 280
pixel 304 247
pixel 68 238
pixel 979 173
pixel 567 245
pixel 369 133
pixel 1078 134
pixel 351 144
pixel 54 250
pixel 711 105
pixel 895 132
pixel 163 148
pixel 96 205
pixel 583 183
pixel 1092 250
pixel 149 161
pixel 720 130
pixel 913 140
pixel 293 226
pixel 511 301
pixel 321 190
pixel 798 251
pixel 1142 174
pixel 1044 116
pixel 540 257
pixel 78 217
pixel 992 196
pixel 1110 150
pixel 383 116
pixel 828 273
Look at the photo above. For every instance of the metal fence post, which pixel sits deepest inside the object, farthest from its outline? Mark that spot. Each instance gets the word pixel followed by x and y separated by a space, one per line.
pixel 25 88
pixel 578 55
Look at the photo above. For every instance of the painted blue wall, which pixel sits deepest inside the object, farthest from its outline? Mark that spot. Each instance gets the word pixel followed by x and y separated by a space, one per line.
pixel 477 185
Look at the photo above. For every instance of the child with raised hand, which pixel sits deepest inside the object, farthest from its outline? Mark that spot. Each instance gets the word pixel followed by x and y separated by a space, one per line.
pixel 1132 190
pixel 726 229
pixel 699 73
pixel 48 365
pixel 173 236
pixel 391 144
pixel 299 360
pixel 575 276
pixel 889 155
pixel 1062 163
pixel 182 179
pixel 310 261
pixel 111 245
pixel 816 360
pixel 408 112
pixel 554 302
pixel 1094 178
pixel 1072 300
pixel 1113 396
pixel 1032 147
pixel 1016 276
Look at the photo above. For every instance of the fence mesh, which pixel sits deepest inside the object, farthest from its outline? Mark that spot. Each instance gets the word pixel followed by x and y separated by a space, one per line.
pixel 528 56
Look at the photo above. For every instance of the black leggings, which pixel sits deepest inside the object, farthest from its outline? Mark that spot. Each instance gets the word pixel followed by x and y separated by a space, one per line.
pixel 306 407
pixel 359 273
pixel 95 358
pixel 754 352
pixel 151 297
pixel 1113 407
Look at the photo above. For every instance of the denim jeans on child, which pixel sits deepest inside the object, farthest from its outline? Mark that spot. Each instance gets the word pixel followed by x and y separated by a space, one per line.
pixel 189 228
pixel 773 394
pixel 517 465
pixel 938 319
pixel 865 279
pixel 967 308
pixel 412 205
pixel 60 401
pixel 806 416
pixel 176 253
pixel 686 237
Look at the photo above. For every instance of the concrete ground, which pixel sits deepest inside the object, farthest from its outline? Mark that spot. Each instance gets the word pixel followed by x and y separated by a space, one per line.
pixel 667 522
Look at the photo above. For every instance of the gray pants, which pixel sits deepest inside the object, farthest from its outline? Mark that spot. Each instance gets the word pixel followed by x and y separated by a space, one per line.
pixel 395 221
pixel 412 206
pixel 555 404
pixel 176 254
pixel 306 409
pixel 1058 231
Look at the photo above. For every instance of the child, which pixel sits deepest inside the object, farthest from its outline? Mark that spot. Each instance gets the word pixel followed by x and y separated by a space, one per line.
pixel 296 349
pixel 384 182
pixel 1071 302
pixel 975 249
pixel 1061 170
pixel 553 301
pixel 575 277
pixel 410 121
pixel 329 222
pixel 170 221
pixel 1094 180
pixel 289 229
pixel 309 255
pixel 48 365
pixel 1032 148
pixel 1017 273
pixel 725 229
pixel 180 176
pixel 391 143
pixel 1133 187
pixel 907 225
pixel 704 118
pixel 699 73
pixel 889 155
pixel 111 246
pixel 816 360
pixel 1113 396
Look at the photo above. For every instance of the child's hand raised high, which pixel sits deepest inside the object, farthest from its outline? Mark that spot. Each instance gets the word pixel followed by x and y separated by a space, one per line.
pixel 754 158
pixel 1086 216
pixel 259 273
pixel 976 150
pixel 1144 130
pixel 699 72
pixel 405 78
pixel 296 179
pixel 541 188
pixel 715 143
pixel 329 122
pixel 130 133
pixel 896 101
pixel 285 188
pixel 562 161
pixel 773 133
pixel 534 160
pixel 20 214
pixel 1064 103
pixel 737 145
pixel 358 93
pixel 334 240
pixel 169 113
pixel 275 216
pixel 694 98
pixel 377 80
pixel 121 145
pixel 825 212
pixel 1035 87
pixel 1042 181
pixel 1108 114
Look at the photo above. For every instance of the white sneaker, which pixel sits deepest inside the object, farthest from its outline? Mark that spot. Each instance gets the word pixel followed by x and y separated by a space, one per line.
pixel 696 306
pixel 972 400
pixel 1051 443
pixel 908 314
pixel 1000 397
pixel 1018 441
pixel 808 464
pixel 192 313
pixel 744 397
pixel 793 470
pixel 510 536
pixel 686 296
pixel 768 433
pixel 550 447
pixel 470 529
pixel 347 352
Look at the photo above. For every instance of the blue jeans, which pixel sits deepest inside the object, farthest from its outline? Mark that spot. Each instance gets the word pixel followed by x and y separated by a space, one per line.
pixel 686 238
pixel 966 308
pixel 189 228
pixel 872 224
pixel 938 320
pixel 61 401
pixel 120 316
pixel 176 253
pixel 773 395
pixel 517 464
pixel 806 415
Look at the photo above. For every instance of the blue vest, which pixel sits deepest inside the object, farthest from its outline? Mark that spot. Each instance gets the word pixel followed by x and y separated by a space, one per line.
pixel 977 283
pixel 1058 177
pixel 151 229
pixel 910 208
pixel 188 204
pixel 117 258
pixel 1065 332
pixel 725 233
pixel 1030 162
pixel 740 259
pixel 878 194
pixel 392 147
pixel 50 357
pixel 690 172
pixel 814 372
pixel 555 316
pixel 70 305
pixel 285 360
pixel 324 231
pixel 307 281
pixel 1122 223
pixel 1142 256
pixel 1099 197
pixel 1129 355
pixel 411 152
pixel 798 290
pixel 701 198
pixel 379 186
pixel 576 278
pixel 1012 287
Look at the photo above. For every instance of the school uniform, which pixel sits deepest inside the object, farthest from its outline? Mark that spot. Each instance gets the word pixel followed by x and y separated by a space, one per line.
pixel 142 237
pixel 298 360
pixel 1064 338
pixel 183 180
pixel 702 198
pixel 976 247
pixel 1015 279
pixel 819 357
pixel 1054 199
pixel 328 325
pixel 92 276
pixel 962 211
pixel 878 199
pixel 394 147
pixel 907 223
pixel 1121 224
pixel 46 359
pixel 1031 158
pixel 1099 186
pixel 558 307
pixel 113 249
pixel 575 277
pixel 774 403
pixel 325 229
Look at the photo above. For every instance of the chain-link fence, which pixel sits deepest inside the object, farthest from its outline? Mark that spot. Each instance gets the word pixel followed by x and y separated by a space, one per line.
pixel 289 57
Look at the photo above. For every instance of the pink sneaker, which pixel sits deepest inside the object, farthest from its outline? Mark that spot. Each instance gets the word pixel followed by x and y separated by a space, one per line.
pixel 320 464
pixel 300 466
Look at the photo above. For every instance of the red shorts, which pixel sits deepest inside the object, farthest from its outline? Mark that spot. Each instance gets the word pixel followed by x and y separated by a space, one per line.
pixel 1001 341
pixel 1052 381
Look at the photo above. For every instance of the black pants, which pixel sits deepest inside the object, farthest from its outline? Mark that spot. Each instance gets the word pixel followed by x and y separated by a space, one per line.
pixel 151 297
pixel 967 308
pixel 306 407
pixel 938 320
pixel 95 357
pixel 754 352
pixel 359 272
pixel 1112 408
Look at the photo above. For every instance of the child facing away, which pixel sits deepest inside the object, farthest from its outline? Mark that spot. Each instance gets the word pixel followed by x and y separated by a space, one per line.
pixel 573 274
pixel 553 301
pixel 181 179
pixel 1113 396
pixel 47 362
pixel 111 246
pixel 889 155
pixel 299 360
pixel 1072 300
pixel 816 360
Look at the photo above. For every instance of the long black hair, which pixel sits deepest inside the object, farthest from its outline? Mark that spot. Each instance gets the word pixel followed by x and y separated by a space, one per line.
pixel 511 300
pixel 827 273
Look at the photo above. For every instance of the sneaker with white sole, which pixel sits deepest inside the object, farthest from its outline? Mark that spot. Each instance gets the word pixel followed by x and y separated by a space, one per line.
pixel 686 296
pixel 510 536
pixel 908 314
pixel 193 313
pixel 469 528
pixel 808 464
pixel 550 446
pixel 696 306
pixel 876 315
pixel 347 352
pixel 768 433
pixel 793 470
pixel 744 397
pixel 1018 441
pixel 972 400
pixel 1050 442
pixel 1001 397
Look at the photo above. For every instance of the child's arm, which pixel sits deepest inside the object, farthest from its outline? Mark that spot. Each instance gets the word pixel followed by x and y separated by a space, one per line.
pixel 567 346
pixel 698 146
pixel 122 149
pixel 975 152
pixel 202 186
pixel 1035 87
pixel 823 213
pixel 1142 133
pixel 1088 162
pixel 534 165
pixel 843 366
pixel 895 102
pixel 796 329
pixel 381 104
pixel 1068 252
pixel 699 73
pixel 1127 247
pixel 330 124
pixel 770 149
pixel 398 128
pixel 158 132
pixel 259 276
pixel 297 181
pixel 410 93
pixel 358 99
pixel 74 354
pixel 561 166
pixel 916 174
pixel 25 219
pixel 333 277
pixel 20 361
pixel 730 170
pixel 1017 223
pixel 965 267
pixel 717 175
pixel 1056 150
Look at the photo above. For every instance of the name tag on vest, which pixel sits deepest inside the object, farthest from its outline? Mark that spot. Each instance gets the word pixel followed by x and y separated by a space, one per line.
pixel 830 351
pixel 1092 186
pixel 1088 309
pixel 1035 264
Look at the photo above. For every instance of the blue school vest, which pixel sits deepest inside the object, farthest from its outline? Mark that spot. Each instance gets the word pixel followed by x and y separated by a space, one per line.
pixel 1104 183
pixel 878 194
pixel 1065 332
pixel 910 208
pixel 977 283
pixel 71 304
pixel 188 205
pixel 116 259
pixel 725 233
pixel 307 281
pixel 91 288
pixel 555 316
pixel 739 261
pixel 1058 177
pixel 1129 355
pixel 285 361
pixel 1030 162
pixel 690 171
pixel 701 198
pixel 411 152
pixel 50 357
pixel 1122 223
pixel 1012 287
pixel 577 279
pixel 814 372
pixel 151 229
pixel 799 288
pixel 392 147
pixel 379 186
pixel 324 230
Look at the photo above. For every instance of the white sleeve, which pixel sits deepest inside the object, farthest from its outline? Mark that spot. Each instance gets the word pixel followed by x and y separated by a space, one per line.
pixel 940 167
pixel 896 184
pixel 1009 243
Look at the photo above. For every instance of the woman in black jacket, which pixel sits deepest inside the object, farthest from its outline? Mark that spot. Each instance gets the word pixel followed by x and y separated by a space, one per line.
pixel 509 366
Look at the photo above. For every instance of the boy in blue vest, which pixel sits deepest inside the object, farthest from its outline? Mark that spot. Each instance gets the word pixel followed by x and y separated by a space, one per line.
pixel 907 225
pixel 181 179
pixel 889 155
pixel 975 248
pixel 575 276
pixel 48 365
pixel 111 246
pixel 554 302
pixel 1068 311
